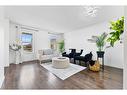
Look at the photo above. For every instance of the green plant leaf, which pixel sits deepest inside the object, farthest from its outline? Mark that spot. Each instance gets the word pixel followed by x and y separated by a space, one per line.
pixel 117 28
pixel 61 46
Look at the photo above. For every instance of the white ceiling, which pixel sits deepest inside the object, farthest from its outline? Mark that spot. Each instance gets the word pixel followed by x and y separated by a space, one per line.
pixel 60 18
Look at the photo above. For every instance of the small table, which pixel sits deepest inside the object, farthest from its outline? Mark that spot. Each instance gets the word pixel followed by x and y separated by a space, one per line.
pixel 60 62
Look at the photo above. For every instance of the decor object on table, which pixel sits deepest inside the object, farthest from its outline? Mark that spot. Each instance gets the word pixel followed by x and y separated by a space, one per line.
pixel 94 65
pixel 60 62
pixel 117 28
pixel 16 48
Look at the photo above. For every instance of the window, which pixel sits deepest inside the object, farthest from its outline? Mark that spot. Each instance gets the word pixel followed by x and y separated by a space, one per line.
pixel 27 41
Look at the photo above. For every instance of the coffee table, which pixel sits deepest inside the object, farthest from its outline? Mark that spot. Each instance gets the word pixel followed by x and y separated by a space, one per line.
pixel 60 62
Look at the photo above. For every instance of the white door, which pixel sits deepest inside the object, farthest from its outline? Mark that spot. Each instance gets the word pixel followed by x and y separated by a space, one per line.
pixel 28 47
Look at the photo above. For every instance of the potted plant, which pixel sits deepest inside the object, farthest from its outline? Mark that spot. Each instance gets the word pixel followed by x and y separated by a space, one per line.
pixel 117 28
pixel 100 43
pixel 61 46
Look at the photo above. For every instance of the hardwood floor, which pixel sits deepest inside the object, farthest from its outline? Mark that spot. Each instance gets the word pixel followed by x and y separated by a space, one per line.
pixel 31 75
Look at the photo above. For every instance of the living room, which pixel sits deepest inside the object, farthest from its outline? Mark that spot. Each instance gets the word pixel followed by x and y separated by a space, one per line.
pixel 29 30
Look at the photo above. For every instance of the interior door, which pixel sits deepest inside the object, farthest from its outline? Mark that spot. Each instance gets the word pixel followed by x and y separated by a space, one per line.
pixel 27 41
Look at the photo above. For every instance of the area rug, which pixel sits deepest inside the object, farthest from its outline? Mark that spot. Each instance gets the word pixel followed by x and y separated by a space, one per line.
pixel 63 73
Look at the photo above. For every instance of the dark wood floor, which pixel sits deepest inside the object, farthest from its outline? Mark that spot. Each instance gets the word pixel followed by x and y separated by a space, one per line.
pixel 31 75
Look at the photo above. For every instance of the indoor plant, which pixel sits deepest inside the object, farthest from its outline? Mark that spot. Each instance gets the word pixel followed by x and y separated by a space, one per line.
pixel 99 40
pixel 61 46
pixel 100 43
pixel 117 28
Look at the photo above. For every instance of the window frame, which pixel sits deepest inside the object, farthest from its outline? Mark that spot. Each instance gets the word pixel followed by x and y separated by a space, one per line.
pixel 28 42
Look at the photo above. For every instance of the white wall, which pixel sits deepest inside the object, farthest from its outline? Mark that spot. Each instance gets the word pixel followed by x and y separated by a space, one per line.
pixel 42 41
pixel 12 38
pixel 125 52
pixel 1 46
pixel 6 44
pixel 78 39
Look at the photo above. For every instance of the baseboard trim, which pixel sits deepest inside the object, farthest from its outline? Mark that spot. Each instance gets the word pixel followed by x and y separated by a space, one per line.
pixel 31 61
pixel 113 67
pixel 27 61
pixel 37 61
pixel 2 81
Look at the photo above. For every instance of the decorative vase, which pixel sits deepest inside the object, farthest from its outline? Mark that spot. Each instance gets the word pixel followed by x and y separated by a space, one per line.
pixel 100 54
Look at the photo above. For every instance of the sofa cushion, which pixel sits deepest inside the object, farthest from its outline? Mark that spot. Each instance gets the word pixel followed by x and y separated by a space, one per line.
pixel 47 51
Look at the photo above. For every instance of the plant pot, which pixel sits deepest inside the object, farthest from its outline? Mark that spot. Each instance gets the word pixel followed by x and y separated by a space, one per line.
pixel 100 54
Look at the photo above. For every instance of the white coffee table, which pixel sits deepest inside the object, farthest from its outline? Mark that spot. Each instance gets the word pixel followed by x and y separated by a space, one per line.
pixel 60 62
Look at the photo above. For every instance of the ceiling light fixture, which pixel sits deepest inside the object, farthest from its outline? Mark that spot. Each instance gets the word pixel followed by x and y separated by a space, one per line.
pixel 91 10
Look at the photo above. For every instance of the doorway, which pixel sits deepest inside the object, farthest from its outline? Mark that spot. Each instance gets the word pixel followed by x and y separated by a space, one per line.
pixel 28 41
